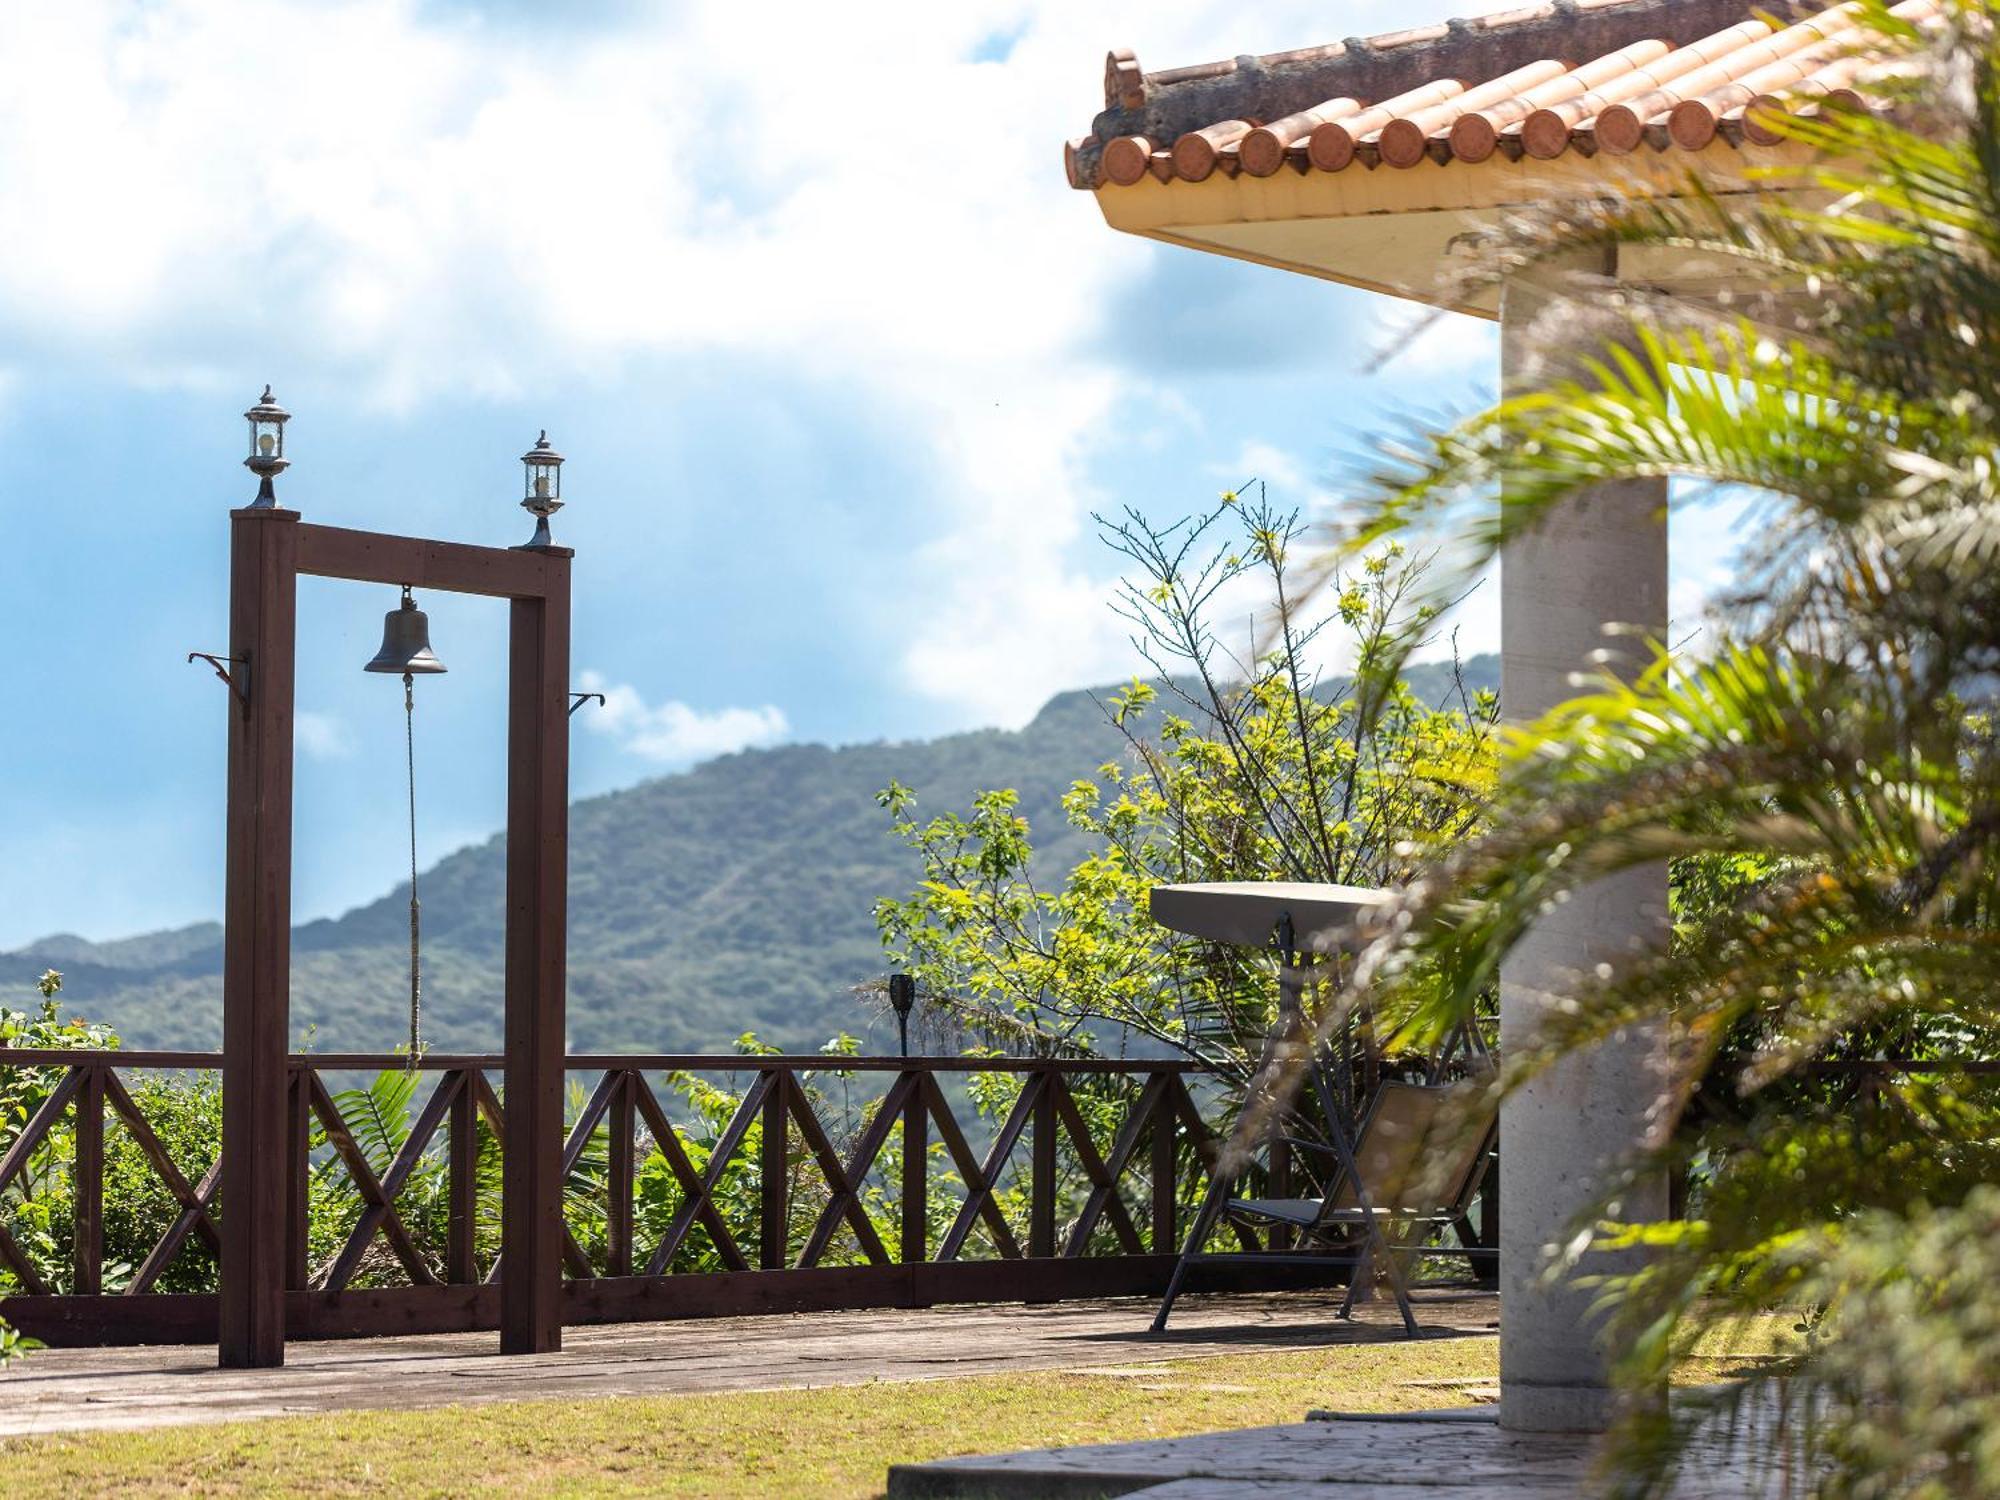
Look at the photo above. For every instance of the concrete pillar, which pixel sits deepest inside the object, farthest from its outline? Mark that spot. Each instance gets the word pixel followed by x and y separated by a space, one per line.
pixel 1600 559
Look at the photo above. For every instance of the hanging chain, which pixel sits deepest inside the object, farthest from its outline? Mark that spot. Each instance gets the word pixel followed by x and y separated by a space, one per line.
pixel 416 970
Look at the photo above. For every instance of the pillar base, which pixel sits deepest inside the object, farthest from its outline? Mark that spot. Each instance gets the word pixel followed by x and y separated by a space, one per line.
pixel 260 1359
pixel 1526 1407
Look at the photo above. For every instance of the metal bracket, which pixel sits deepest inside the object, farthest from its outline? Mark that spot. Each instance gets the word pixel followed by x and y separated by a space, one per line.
pixel 577 700
pixel 1284 941
pixel 238 683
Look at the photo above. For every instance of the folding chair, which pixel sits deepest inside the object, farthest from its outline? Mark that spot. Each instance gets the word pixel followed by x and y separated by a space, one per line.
pixel 1414 1160
pixel 1412 1167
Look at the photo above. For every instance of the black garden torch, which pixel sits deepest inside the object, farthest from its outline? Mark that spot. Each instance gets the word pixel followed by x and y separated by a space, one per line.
pixel 903 996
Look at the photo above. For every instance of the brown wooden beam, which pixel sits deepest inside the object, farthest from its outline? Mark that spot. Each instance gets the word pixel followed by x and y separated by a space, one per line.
pixel 461 1261
pixel 845 1199
pixel 697 1190
pixel 376 557
pixel 724 1294
pixel 257 936
pixel 620 1174
pixel 844 1180
pixel 646 1062
pixel 89 1177
pixel 44 1118
pixel 916 1176
pixel 189 1318
pixel 1104 1175
pixel 1042 1170
pixel 979 1181
pixel 531 1224
pixel 379 1207
pixel 774 1177
pixel 298 1178
pixel 194 1215
pixel 374 1312
pixel 1166 1152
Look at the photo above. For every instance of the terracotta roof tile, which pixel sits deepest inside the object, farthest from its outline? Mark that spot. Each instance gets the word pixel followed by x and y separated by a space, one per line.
pixel 1590 75
pixel 1334 144
pixel 1475 135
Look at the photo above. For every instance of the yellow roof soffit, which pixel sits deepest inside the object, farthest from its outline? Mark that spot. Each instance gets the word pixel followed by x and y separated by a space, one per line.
pixel 1403 231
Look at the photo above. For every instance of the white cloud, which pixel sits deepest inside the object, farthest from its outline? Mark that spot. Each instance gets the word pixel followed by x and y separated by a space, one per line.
pixel 1690 597
pixel 672 733
pixel 412 200
pixel 1415 341
pixel 322 736
pixel 1281 472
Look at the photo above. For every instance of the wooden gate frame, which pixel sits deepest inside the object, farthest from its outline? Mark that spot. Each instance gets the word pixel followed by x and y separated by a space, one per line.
pixel 269 549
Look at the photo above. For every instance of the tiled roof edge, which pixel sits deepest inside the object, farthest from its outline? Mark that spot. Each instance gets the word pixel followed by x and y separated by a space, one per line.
pixel 1165 106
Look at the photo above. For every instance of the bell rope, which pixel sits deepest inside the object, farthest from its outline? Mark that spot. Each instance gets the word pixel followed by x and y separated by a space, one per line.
pixel 416 963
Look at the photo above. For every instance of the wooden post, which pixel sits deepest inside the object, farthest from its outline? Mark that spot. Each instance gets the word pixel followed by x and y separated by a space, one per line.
pixel 260 1251
pixel 1042 1167
pixel 257 936
pixel 461 1263
pixel 618 1216
pixel 774 1172
pixel 89 1215
pixel 916 1180
pixel 531 1222
pixel 1165 1187
pixel 298 1169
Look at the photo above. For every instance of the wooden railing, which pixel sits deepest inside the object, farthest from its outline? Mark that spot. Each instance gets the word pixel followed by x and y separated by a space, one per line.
pixel 1078 1187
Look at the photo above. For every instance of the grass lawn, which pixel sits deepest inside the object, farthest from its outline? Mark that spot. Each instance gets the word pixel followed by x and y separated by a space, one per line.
pixel 831 1442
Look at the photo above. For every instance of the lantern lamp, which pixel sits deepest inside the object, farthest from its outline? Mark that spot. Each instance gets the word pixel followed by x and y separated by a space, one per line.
pixel 267 448
pixel 541 490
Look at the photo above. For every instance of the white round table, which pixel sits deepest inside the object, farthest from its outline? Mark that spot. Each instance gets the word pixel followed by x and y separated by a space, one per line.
pixel 1247 912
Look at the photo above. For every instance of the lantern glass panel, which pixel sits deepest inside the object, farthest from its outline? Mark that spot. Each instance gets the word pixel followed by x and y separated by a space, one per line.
pixel 544 481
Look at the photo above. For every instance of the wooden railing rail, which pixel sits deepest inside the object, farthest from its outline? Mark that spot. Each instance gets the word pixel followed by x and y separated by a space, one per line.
pixel 1079 1187
pixel 591 1062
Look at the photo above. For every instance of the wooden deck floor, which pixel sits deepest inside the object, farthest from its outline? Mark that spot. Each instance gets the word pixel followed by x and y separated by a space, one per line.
pixel 67 1390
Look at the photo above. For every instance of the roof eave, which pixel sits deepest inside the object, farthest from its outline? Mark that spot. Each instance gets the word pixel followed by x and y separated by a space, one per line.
pixel 1164 106
pixel 1401 231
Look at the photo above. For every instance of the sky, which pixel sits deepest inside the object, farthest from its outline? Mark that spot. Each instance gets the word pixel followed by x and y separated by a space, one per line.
pixel 841 366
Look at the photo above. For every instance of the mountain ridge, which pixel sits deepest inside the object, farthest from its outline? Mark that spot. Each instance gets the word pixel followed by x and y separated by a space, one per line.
pixel 734 896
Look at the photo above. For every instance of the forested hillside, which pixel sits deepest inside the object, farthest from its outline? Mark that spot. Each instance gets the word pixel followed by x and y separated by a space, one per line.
pixel 732 897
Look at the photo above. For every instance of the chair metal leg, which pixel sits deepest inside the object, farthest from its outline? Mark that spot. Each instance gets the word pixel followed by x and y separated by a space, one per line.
pixel 1397 1285
pixel 1356 1279
pixel 1198 1233
pixel 1372 1236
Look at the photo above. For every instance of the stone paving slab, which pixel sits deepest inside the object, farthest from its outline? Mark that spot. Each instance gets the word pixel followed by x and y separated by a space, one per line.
pixel 1290 1489
pixel 1446 1455
pixel 1328 1457
pixel 69 1390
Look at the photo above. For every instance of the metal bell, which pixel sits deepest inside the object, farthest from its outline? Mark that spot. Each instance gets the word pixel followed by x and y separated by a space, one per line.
pixel 406 641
